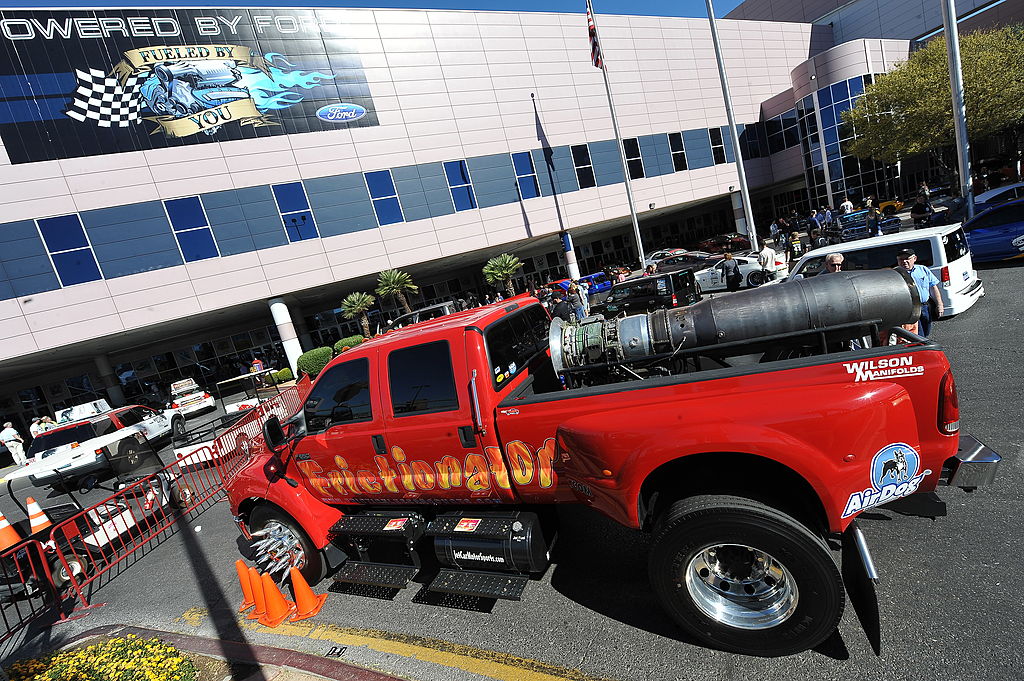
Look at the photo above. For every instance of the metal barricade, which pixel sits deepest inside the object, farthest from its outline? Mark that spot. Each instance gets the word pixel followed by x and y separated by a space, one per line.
pixel 26 586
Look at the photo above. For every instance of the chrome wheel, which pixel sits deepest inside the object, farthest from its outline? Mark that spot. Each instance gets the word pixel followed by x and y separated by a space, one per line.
pixel 278 548
pixel 741 587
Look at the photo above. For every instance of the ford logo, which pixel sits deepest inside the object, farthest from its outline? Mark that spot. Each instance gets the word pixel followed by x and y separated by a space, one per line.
pixel 340 113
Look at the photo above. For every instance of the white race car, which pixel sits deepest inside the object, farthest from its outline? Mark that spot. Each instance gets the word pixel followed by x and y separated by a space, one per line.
pixel 711 278
pixel 187 397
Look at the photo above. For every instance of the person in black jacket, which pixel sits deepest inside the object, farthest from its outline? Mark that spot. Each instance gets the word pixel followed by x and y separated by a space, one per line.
pixel 560 308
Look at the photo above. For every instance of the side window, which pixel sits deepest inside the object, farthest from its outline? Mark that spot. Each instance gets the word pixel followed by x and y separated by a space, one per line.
pixel 129 417
pixel 342 395
pixel 812 266
pixel 144 413
pixel 514 341
pixel 421 380
pixel 103 427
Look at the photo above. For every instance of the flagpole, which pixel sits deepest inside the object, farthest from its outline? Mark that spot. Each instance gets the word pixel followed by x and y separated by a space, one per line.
pixel 618 140
pixel 748 212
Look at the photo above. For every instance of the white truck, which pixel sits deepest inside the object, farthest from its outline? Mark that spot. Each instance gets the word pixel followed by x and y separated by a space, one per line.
pixel 188 398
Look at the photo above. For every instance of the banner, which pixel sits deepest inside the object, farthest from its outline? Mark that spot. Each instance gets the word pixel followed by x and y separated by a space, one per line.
pixel 84 83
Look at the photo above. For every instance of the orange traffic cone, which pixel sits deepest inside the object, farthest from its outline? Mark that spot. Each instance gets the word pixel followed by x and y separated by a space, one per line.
pixel 278 608
pixel 36 517
pixel 307 603
pixel 8 535
pixel 243 581
pixel 256 584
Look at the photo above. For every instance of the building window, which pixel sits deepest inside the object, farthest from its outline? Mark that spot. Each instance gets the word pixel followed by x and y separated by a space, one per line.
pixel 633 161
pixel 191 228
pixel 69 249
pixel 675 144
pixel 717 145
pixel 526 175
pixel 584 166
pixel 460 185
pixel 295 213
pixel 384 197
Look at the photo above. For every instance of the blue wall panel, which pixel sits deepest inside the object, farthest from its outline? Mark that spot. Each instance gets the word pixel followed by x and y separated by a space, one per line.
pixel 422 191
pixel 555 170
pixel 341 204
pixel 730 156
pixel 244 220
pixel 25 268
pixel 698 149
pixel 607 162
pixel 494 180
pixel 656 156
pixel 131 239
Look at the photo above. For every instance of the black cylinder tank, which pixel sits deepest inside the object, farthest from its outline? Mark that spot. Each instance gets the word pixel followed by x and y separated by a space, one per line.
pixel 510 542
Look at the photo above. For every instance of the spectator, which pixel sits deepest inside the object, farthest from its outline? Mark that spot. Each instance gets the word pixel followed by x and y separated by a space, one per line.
pixel 921 212
pixel 650 270
pixel 14 443
pixel 846 207
pixel 731 272
pixel 36 427
pixel 816 218
pixel 817 240
pixel 927 288
pixel 833 263
pixel 775 231
pixel 585 296
pixel 829 217
pixel 874 222
pixel 922 190
pixel 766 259
pixel 46 423
pixel 794 249
pixel 869 202
pixel 621 276
pixel 576 302
pixel 559 307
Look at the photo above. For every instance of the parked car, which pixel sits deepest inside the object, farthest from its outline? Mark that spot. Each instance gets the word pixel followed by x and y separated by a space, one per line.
pixel 890 207
pixel 654 257
pixel 422 315
pixel 645 294
pixel 998 233
pixel 853 226
pixel 711 278
pixel 599 283
pixel 688 260
pixel 997 196
pixel 722 243
pixel 114 440
pixel 188 398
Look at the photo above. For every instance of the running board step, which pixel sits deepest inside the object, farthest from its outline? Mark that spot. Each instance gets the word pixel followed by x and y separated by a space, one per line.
pixel 378 574
pixel 483 584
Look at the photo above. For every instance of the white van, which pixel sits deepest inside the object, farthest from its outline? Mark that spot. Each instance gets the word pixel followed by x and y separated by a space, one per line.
pixel 943 249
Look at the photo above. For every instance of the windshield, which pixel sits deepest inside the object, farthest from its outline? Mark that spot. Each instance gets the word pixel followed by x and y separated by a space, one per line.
pixel 59 438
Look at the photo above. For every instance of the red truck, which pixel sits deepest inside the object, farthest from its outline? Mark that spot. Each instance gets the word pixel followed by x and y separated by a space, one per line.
pixel 742 433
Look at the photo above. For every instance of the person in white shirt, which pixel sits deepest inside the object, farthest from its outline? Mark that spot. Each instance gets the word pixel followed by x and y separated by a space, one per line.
pixel 36 427
pixel 14 443
pixel 766 259
pixel 846 207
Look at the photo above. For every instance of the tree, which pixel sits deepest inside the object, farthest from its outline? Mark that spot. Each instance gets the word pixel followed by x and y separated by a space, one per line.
pixel 396 283
pixel 355 305
pixel 910 110
pixel 500 269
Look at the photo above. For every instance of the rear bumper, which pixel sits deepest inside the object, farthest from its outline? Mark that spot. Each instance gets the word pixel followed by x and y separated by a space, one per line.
pixel 957 302
pixel 974 465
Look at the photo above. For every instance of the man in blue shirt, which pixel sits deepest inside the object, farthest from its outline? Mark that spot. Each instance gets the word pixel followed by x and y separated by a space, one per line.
pixel 927 287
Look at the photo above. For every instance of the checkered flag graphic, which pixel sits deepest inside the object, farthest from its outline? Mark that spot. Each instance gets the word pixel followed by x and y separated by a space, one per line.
pixel 105 100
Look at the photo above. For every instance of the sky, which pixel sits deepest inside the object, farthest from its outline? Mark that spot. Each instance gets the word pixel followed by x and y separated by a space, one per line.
pixel 677 8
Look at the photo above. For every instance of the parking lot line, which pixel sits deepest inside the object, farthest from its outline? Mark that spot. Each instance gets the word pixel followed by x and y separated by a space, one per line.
pixel 488 663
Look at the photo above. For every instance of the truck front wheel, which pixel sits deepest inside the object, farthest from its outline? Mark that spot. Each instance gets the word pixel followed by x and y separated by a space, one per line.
pixel 284 544
pixel 743 577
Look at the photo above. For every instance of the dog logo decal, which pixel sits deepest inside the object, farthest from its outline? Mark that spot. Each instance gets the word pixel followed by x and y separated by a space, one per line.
pixel 895 473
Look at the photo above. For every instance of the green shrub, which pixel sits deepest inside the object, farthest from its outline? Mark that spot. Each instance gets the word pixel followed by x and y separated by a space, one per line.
pixel 283 376
pixel 314 361
pixel 347 342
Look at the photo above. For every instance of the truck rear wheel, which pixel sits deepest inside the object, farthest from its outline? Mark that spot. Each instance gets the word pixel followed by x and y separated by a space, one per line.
pixel 743 577
pixel 129 453
pixel 286 540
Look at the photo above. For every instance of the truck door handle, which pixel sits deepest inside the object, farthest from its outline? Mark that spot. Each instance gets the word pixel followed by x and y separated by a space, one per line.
pixel 467 436
pixel 378 444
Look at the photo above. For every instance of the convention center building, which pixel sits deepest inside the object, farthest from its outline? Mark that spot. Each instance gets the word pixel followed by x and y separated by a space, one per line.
pixel 184 189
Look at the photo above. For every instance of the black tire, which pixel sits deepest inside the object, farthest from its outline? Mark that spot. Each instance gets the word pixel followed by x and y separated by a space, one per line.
pixel 693 527
pixel 756 278
pixel 889 211
pixel 128 452
pixel 177 429
pixel 181 495
pixel 60 573
pixel 311 564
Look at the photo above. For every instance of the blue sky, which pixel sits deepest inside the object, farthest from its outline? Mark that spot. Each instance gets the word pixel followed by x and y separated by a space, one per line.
pixel 678 8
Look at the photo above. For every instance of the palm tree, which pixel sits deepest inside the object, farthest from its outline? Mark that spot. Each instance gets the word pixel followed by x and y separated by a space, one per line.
pixel 500 269
pixel 396 283
pixel 355 305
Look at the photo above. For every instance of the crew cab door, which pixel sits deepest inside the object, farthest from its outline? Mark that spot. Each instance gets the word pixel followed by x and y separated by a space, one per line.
pixel 432 444
pixel 152 423
pixel 344 429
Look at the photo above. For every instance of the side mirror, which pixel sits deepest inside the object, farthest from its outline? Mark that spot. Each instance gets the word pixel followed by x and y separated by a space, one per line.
pixel 273 435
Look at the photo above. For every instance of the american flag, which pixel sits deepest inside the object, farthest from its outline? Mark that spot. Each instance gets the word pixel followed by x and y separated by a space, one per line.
pixel 595 47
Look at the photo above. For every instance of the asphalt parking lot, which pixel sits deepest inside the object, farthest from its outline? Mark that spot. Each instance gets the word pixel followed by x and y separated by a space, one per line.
pixel 949 594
